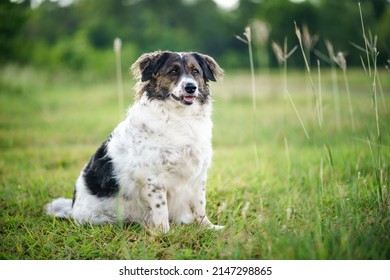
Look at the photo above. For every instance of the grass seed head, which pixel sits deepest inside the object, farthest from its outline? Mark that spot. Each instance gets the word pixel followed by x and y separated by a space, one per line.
pixel 298 33
pixel 278 53
pixel 117 45
pixel 248 34
pixel 341 61
pixel 329 47
pixel 309 40
pixel 261 32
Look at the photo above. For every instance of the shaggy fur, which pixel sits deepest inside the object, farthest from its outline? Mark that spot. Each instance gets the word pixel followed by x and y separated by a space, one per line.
pixel 152 170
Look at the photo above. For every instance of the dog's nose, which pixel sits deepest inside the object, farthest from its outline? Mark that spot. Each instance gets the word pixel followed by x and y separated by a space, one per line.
pixel 190 88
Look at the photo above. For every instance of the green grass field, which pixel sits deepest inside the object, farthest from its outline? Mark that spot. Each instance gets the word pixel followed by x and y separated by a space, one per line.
pixel 280 194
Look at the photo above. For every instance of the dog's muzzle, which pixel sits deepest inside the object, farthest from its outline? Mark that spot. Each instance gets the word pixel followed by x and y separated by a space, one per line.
pixel 190 94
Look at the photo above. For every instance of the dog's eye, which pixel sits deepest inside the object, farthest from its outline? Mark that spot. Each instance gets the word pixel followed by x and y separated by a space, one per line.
pixel 173 72
pixel 195 72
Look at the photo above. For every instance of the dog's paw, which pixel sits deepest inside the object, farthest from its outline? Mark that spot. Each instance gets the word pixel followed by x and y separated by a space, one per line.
pixel 156 229
pixel 163 227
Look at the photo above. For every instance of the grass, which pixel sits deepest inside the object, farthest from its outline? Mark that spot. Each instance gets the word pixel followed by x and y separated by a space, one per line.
pixel 325 197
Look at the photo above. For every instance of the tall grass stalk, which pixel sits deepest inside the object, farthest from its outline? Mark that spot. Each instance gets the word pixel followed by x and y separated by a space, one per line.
pixel 371 50
pixel 377 171
pixel 119 80
pixel 331 163
pixel 288 158
pixel 336 93
pixel 261 35
pixel 299 36
pixel 342 63
pixel 282 57
pixel 365 39
pixel 372 47
pixel 248 41
pixel 253 80
pixel 309 42
pixel 321 115
pixel 374 95
pixel 381 92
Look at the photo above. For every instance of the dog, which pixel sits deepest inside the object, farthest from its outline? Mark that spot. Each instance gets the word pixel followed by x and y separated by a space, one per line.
pixel 152 169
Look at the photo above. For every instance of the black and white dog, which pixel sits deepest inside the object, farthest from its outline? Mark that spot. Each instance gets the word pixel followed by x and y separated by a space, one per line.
pixel 152 169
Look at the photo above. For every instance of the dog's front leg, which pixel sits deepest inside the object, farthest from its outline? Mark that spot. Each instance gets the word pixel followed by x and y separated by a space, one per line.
pixel 198 207
pixel 156 214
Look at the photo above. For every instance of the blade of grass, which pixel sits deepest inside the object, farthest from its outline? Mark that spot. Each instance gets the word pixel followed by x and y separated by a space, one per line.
pixel 248 36
pixel 299 36
pixel 365 39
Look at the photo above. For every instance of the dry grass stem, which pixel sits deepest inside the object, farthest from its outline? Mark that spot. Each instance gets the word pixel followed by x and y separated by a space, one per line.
pixel 321 115
pixel 119 80
pixel 282 57
pixel 248 41
pixel 365 39
pixel 336 93
pixel 299 36
pixel 342 63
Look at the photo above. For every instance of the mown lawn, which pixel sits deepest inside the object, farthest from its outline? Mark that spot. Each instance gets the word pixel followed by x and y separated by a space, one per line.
pixel 280 194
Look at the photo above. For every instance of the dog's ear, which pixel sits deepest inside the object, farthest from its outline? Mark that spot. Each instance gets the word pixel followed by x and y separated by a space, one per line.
pixel 149 64
pixel 211 69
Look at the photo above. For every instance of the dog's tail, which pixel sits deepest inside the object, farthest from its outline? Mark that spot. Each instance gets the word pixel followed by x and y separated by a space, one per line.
pixel 60 208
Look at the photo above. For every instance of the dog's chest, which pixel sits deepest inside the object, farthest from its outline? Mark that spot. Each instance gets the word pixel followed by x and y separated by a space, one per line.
pixel 180 147
pixel 170 148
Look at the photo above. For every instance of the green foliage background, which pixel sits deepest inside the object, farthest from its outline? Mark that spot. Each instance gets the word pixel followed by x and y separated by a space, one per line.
pixel 80 36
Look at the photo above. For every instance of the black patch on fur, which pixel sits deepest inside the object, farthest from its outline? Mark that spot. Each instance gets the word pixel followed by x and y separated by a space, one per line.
pixel 150 69
pixel 74 196
pixel 98 174
pixel 208 75
pixel 153 66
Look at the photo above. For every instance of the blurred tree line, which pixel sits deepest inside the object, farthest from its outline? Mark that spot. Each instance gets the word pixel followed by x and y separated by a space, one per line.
pixel 79 34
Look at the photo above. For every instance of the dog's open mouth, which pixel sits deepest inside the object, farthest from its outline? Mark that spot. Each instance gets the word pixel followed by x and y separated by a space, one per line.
pixel 186 99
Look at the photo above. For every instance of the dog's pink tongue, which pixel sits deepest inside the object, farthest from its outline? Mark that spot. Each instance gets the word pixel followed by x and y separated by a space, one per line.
pixel 189 99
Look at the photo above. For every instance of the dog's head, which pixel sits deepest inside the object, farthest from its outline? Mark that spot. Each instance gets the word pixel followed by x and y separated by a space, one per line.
pixel 183 77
